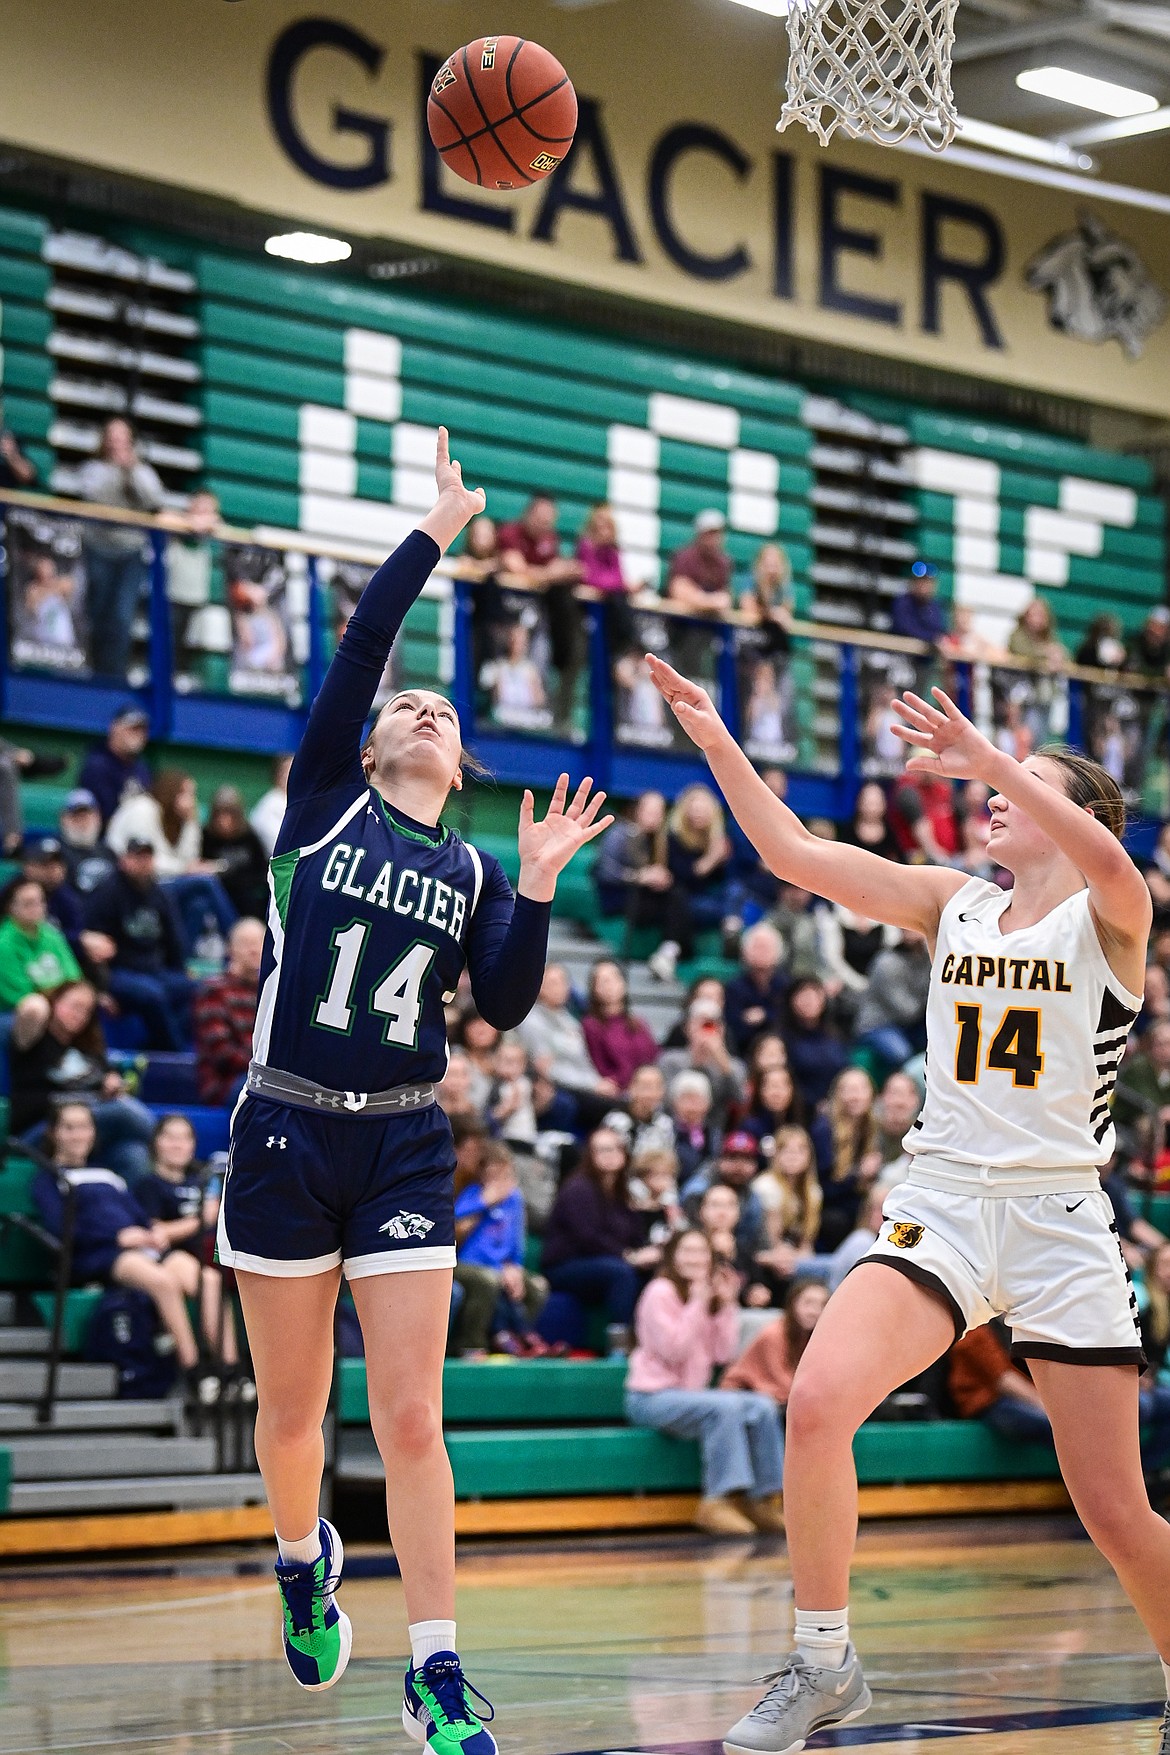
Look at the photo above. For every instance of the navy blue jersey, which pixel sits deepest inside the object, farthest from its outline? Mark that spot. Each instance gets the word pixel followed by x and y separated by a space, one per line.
pixel 372 916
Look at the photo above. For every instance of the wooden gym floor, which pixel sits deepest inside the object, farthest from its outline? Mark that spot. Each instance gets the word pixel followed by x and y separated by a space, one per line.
pixel 1013 1633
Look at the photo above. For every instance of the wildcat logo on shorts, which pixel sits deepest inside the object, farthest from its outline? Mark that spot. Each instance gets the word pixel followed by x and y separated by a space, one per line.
pixel 443 78
pixel 407 1225
pixel 905 1236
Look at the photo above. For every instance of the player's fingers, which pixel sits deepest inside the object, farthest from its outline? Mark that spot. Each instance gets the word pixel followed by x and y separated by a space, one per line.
pixel 556 803
pixel 928 712
pixel 922 765
pixel 589 814
pixel 597 829
pixel 921 739
pixel 442 446
pixel 910 714
pixel 947 705
pixel 527 807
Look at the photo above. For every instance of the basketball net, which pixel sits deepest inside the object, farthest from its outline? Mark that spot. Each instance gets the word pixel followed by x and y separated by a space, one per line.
pixel 879 69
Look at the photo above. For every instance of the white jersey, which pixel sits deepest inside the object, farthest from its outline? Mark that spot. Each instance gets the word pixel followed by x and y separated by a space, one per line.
pixel 1025 1034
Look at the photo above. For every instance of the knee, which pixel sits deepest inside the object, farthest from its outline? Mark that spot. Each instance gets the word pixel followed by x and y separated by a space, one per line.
pixel 1114 1523
pixel 409 1427
pixel 287 1425
pixel 816 1412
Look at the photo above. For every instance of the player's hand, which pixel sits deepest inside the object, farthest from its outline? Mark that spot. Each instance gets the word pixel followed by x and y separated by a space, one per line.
pixel 547 847
pixel 449 478
pixel 945 739
pixel 692 706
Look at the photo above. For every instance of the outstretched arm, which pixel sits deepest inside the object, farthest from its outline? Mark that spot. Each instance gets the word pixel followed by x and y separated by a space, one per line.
pixel 330 751
pixel 912 898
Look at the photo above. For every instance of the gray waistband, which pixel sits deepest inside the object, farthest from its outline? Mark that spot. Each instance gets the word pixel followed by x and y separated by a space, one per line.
pixel 285 1087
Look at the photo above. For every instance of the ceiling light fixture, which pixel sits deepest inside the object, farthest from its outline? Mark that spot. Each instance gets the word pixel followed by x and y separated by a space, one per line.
pixel 776 8
pixel 308 247
pixel 1098 95
pixel 1020 145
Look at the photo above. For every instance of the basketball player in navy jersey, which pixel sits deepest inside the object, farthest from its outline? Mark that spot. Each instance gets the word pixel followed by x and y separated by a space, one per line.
pixel 341 1160
pixel 1032 995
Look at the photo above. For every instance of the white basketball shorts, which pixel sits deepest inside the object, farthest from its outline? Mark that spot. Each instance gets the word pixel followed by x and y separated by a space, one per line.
pixel 1049 1264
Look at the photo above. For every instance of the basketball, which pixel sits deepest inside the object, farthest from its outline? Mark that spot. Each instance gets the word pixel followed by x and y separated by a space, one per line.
pixel 502 112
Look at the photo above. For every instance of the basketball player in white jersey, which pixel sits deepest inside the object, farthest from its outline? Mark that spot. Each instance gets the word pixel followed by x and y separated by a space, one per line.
pixel 1032 995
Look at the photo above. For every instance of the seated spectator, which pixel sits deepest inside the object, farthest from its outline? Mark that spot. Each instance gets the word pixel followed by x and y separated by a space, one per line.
pixel 88 861
pixel 916 614
pixel 891 1018
pixel 1141 1100
pixel 795 918
pixel 767 603
pixel 816 1052
pixel 922 817
pixel 789 1191
pixel 1155 1318
pixel 695 1140
pixel 634 881
pixel 113 1239
pixel 1157 874
pixel 869 826
pixel 34 955
pixel 117 556
pixel 502 1300
pixel 43 861
pixel 898 1104
pixel 267 813
pixel 1138 1238
pixel 16 470
pixel 232 847
pixel 767 1051
pixel 146 974
pixel 531 552
pixel 224 1017
pixel 699 576
pixel 705 987
pixel 594 1241
pixel 686 1325
pixel 736 1168
pixel 773 1102
pixel 645 1123
pixel 1155 1000
pixel 654 1192
pixel 1148 652
pixel 478 1040
pixel 985 1385
pixel 557 1049
pixel 768 1364
pixel 57 1050
pixel 453 1093
pixel 754 999
pixel 706 1051
pixel 509 1112
pixel 618 1042
pixel 848 1161
pixel 114 771
pixel 168 818
pixel 698 854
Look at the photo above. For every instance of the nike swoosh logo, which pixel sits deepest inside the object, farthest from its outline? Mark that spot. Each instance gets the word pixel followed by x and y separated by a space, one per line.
pixel 966 916
pixel 843 1687
pixel 1080 1203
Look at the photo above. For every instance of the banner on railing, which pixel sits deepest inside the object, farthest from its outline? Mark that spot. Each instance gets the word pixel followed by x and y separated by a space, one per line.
pixel 641 718
pixel 343 583
pixel 768 723
pixel 530 661
pixel 239 618
pixel 78 596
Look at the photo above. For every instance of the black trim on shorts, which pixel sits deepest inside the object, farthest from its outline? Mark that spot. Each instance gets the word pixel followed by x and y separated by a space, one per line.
pixel 928 1281
pixel 1080 1355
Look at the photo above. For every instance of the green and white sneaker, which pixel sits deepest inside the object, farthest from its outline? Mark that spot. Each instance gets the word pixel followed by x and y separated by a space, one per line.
pixel 801 1700
pixel 437 1709
pixel 317 1634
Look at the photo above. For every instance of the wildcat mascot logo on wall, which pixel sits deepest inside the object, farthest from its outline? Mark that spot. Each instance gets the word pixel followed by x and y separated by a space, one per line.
pixel 1098 287
pixel 906 1236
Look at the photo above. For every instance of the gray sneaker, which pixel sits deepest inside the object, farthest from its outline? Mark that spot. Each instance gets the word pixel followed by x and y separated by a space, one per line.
pixel 801 1700
pixel 1164 1745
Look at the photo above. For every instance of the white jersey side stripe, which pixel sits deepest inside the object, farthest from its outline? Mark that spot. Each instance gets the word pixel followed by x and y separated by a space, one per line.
pixel 477 868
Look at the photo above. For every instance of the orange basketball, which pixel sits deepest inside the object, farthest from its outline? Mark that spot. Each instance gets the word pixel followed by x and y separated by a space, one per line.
pixel 502 112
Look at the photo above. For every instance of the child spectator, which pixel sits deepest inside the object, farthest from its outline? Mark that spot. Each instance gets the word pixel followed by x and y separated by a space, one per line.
pixel 754 999
pixel 502 1300
pixel 114 771
pixel 686 1325
pixel 594 1241
pixel 737 1166
pixel 790 1192
pixel 848 1161
pixel 816 1052
pixel 645 1123
pixel 695 1140
pixel 769 1363
pixel 34 955
pixel 234 849
pixel 58 1050
pixel 224 1017
pixel 147 976
pixel 268 811
pixel 618 1042
pixel 556 1046
pixel 113 1239
pixel 706 1051
pixel 654 1192
pixel 509 1105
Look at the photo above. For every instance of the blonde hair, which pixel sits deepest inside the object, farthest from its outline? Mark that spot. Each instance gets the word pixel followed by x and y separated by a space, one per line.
pixel 589 529
pixel 681 829
pixel 796 1216
pixel 851 1139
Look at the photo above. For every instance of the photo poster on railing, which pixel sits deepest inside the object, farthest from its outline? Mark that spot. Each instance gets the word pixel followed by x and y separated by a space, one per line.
pixel 883 676
pixel 530 656
pixel 342 584
pixel 78 596
pixel 768 722
pixel 239 618
pixel 641 718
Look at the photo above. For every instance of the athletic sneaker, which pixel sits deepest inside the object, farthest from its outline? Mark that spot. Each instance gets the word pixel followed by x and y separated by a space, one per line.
pixel 1164 1745
pixel 436 1709
pixel 317 1634
pixel 801 1700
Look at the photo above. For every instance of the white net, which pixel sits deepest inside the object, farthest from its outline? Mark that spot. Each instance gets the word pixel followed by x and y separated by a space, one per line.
pixel 879 69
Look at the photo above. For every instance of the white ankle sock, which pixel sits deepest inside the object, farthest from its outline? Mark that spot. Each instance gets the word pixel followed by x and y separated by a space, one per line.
pixel 822 1636
pixel 1166 1674
pixel 428 1637
pixel 301 1553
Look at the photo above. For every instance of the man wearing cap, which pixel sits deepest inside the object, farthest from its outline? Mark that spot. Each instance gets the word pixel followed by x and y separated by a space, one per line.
pixel 916 614
pixel 147 976
pixel 115 770
pixel 738 1165
pixel 88 861
pixel 43 859
pixel 699 579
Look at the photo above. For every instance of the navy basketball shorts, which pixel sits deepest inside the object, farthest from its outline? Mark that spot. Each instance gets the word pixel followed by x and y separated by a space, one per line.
pixel 306 1192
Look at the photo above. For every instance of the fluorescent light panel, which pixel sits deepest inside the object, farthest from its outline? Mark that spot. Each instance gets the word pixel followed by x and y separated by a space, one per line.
pixel 1020 145
pixel 776 8
pixel 308 247
pixel 1099 95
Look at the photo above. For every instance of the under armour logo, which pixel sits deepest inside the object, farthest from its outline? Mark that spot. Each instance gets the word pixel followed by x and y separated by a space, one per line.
pixel 282 1142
